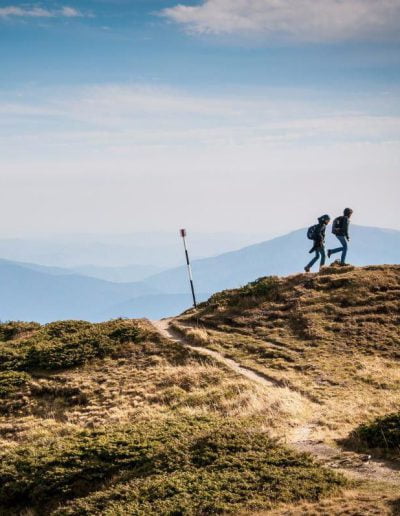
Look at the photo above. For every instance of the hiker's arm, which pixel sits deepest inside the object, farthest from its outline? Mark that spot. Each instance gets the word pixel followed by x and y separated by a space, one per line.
pixel 319 236
pixel 346 228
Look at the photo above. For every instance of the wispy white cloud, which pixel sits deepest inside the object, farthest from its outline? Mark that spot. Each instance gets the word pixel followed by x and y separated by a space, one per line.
pixel 129 116
pixel 292 20
pixel 131 157
pixel 70 12
pixel 38 12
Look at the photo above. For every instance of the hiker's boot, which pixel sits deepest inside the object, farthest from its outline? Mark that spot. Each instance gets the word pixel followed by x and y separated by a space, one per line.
pixel 307 269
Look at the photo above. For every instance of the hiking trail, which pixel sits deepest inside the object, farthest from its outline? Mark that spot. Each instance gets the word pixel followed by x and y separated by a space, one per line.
pixel 355 465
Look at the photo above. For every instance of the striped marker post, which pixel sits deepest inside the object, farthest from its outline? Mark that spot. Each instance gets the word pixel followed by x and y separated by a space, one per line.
pixel 183 235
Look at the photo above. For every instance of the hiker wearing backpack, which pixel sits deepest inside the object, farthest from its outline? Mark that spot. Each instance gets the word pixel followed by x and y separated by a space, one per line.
pixel 340 228
pixel 317 234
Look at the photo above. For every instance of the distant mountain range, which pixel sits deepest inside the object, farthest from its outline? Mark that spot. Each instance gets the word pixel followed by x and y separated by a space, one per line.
pixel 29 292
pixel 123 274
pixel 132 254
pixel 280 256
pixel 36 292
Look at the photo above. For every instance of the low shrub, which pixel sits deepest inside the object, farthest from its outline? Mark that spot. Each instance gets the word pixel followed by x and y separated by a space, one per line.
pixel 382 434
pixel 14 329
pixel 186 466
pixel 267 289
pixel 65 344
pixel 11 381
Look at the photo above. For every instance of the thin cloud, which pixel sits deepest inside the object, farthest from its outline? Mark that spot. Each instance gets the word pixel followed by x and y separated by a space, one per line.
pixel 70 12
pixel 292 20
pixel 126 116
pixel 38 12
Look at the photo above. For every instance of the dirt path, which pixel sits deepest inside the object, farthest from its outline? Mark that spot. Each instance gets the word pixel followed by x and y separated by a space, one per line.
pixel 355 465
pixel 164 328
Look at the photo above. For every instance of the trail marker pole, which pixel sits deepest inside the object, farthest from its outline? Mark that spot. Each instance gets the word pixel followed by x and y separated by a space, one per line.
pixel 183 235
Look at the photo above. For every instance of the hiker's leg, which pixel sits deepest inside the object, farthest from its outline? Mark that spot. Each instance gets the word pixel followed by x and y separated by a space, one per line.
pixel 343 241
pixel 323 256
pixel 337 249
pixel 313 260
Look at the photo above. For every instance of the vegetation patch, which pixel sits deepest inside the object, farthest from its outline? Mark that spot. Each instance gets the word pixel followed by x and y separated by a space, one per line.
pixel 14 329
pixel 62 344
pixel 12 381
pixel 382 434
pixel 185 465
pixel 267 289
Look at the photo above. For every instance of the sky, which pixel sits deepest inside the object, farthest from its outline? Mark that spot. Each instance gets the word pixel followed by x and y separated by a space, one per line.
pixel 218 115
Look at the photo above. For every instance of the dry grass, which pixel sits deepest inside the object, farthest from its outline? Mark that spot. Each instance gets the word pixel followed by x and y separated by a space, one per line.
pixel 63 437
pixel 333 337
pixel 368 500
pixel 147 380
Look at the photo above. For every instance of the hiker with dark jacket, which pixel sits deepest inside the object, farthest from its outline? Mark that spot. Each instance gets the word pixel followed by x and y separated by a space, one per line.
pixel 317 234
pixel 340 228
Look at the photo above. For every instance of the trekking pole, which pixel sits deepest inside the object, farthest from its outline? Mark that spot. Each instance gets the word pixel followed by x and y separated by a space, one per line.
pixel 183 235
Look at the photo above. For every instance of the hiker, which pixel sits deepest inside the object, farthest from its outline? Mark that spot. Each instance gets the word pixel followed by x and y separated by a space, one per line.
pixel 317 234
pixel 340 228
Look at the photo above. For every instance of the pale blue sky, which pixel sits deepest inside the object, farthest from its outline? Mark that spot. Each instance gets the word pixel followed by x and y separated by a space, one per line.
pixel 125 115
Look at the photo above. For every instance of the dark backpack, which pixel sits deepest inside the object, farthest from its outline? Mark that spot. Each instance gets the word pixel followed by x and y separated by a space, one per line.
pixel 337 226
pixel 311 232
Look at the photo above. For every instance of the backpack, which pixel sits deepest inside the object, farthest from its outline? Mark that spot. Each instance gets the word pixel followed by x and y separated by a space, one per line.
pixel 311 232
pixel 337 226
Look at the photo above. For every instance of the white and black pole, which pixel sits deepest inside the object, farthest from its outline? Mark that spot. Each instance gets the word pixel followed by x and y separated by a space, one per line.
pixel 183 235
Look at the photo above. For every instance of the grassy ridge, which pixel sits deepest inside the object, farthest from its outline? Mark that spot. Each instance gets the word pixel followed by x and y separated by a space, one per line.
pixel 334 337
pixel 346 307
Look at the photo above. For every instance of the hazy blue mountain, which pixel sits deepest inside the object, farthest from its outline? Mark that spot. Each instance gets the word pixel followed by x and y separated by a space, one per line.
pixel 54 271
pixel 280 256
pixel 126 274
pixel 151 249
pixel 153 307
pixel 28 294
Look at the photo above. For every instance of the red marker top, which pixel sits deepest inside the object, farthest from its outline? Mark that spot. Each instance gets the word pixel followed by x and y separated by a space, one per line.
pixel 183 233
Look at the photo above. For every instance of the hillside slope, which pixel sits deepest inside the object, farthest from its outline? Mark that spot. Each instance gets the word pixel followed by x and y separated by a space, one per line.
pixel 333 336
pixel 280 256
pixel 115 418
pixel 111 418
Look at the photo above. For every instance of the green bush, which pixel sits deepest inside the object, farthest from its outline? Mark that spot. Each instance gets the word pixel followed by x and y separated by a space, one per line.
pixel 185 466
pixel 68 351
pixel 65 344
pixel 126 334
pixel 14 329
pixel 11 381
pixel 11 357
pixel 268 289
pixel 383 434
